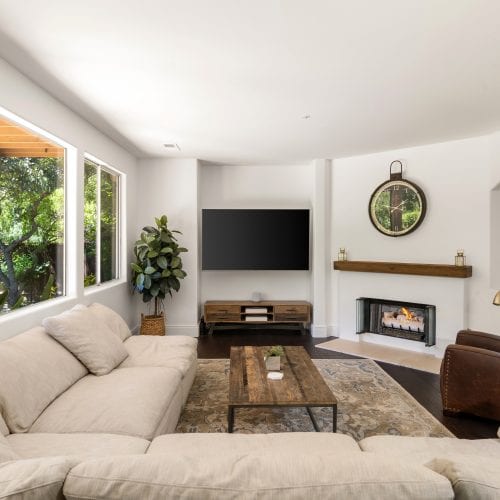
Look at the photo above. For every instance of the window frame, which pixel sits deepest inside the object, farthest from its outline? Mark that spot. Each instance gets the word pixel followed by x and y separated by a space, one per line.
pixel 69 159
pixel 103 166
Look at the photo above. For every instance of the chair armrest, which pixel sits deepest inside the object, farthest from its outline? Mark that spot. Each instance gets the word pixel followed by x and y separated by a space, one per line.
pixel 479 339
pixel 470 381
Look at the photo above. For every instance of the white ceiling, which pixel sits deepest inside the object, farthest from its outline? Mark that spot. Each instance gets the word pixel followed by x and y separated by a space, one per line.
pixel 231 80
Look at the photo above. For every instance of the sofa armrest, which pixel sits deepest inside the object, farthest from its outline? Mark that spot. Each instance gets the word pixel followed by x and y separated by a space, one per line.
pixel 479 339
pixel 470 381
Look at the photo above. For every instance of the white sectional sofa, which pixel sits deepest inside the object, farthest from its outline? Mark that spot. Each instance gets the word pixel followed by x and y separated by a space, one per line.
pixel 68 433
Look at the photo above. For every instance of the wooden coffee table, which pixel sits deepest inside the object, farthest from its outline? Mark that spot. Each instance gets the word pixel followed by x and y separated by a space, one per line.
pixel 301 386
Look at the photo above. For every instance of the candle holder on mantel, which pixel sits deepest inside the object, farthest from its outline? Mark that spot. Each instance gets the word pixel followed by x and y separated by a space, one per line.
pixel 460 258
pixel 342 254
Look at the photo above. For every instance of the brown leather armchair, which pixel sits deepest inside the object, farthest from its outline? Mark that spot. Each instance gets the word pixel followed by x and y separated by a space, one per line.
pixel 470 375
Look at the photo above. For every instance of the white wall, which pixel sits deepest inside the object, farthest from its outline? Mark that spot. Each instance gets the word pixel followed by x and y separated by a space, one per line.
pixel 170 187
pixel 252 186
pixel 456 179
pixel 22 97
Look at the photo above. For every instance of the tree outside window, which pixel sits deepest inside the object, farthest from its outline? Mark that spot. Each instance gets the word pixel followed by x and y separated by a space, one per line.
pixel 31 218
pixel 101 195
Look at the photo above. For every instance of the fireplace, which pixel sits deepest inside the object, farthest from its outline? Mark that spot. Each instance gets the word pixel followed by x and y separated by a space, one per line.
pixel 405 320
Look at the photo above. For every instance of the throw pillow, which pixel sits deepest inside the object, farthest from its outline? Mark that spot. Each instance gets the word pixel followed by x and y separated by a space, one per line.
pixel 114 321
pixel 87 338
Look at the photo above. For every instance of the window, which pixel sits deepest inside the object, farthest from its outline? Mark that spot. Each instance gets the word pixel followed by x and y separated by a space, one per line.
pixel 31 217
pixel 101 194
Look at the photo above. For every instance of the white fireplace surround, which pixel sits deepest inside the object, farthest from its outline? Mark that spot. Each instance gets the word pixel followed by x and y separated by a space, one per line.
pixel 447 294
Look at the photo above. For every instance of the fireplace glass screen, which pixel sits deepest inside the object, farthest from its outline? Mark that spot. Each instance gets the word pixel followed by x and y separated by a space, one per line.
pixel 405 320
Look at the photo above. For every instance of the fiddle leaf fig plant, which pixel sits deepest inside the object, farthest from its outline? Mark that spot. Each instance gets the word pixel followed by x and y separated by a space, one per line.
pixel 157 270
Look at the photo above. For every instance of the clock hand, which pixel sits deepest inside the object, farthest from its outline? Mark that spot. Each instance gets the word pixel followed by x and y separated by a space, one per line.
pixel 398 207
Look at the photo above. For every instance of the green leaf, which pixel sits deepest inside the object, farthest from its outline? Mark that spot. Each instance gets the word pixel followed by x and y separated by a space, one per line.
pixel 178 273
pixel 165 237
pixel 174 283
pixel 147 282
pixel 152 254
pixel 149 270
pixel 155 288
pixel 150 229
pixel 176 262
pixel 162 262
pixel 175 231
pixel 139 281
pixel 136 268
pixel 163 220
pixel 166 250
pixel 182 249
pixel 166 273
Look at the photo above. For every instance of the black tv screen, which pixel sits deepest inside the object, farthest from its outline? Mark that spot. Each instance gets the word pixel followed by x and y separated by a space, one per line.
pixel 255 239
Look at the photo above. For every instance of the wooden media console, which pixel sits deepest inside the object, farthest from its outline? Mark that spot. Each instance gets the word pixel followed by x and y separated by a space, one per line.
pixel 226 313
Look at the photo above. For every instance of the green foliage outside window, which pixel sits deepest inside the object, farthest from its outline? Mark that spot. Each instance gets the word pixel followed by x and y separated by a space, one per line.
pixel 31 230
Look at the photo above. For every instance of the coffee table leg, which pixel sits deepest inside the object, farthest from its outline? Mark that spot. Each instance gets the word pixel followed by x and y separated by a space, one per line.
pixel 230 418
pixel 313 420
pixel 334 410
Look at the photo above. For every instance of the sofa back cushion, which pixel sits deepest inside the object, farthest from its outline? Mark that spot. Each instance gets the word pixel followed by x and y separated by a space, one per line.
pixel 34 370
pixel 6 451
pixel 263 475
pixel 112 319
pixel 88 338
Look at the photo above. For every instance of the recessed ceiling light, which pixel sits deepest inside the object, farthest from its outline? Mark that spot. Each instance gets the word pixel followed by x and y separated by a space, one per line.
pixel 306 117
pixel 172 146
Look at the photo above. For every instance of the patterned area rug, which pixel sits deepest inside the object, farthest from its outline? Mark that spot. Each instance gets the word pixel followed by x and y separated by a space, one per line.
pixel 370 403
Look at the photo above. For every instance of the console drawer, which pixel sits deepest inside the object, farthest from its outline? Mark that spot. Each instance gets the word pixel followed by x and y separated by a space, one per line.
pixel 221 312
pixel 292 309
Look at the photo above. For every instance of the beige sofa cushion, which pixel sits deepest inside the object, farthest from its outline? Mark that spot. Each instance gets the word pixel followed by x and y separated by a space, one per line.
pixel 38 479
pixel 34 445
pixel 88 338
pixel 130 402
pixel 178 352
pixel 423 449
pixel 6 451
pixel 112 319
pixel 472 477
pixel 199 444
pixel 34 370
pixel 256 475
pixel 4 430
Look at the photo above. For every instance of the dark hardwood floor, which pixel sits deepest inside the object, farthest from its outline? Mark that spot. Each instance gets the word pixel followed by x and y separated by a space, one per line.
pixel 423 386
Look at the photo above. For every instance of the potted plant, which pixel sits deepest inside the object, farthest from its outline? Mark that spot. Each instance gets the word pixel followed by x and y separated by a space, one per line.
pixel 272 357
pixel 157 271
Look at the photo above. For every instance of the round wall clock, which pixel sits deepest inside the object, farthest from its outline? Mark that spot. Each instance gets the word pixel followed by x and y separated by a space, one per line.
pixel 397 207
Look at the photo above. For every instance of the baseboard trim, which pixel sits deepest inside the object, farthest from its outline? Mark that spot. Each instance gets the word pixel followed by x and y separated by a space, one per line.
pixel 319 331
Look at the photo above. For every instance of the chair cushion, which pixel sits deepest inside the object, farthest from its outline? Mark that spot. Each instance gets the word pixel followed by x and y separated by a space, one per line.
pixel 37 479
pixel 35 445
pixel 34 370
pixel 130 402
pixel 6 451
pixel 259 475
pixel 173 352
pixel 112 319
pixel 200 444
pixel 423 449
pixel 88 338
pixel 471 476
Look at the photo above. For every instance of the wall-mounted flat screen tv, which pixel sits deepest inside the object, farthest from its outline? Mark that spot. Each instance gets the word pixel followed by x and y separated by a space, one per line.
pixel 255 239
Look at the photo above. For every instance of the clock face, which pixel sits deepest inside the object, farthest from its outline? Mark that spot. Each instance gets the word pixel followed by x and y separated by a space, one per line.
pixel 397 207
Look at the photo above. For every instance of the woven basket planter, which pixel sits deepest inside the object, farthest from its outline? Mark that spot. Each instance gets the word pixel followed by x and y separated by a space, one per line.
pixel 153 325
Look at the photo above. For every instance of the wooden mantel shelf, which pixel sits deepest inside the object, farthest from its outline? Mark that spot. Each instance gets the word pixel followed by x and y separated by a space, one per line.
pixel 364 266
